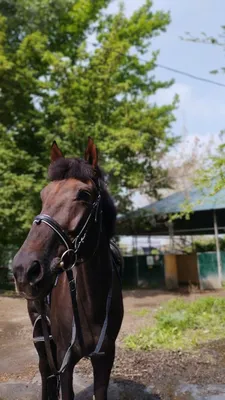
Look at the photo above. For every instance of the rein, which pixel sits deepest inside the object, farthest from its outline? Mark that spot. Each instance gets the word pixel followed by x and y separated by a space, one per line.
pixel 67 265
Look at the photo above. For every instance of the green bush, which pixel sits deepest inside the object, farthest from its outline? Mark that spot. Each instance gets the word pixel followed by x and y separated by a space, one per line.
pixel 205 245
pixel 5 283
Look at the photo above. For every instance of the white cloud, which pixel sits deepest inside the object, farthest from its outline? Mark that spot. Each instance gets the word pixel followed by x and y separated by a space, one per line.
pixel 140 200
pixel 130 6
pixel 166 96
pixel 206 107
pixel 190 102
pixel 200 145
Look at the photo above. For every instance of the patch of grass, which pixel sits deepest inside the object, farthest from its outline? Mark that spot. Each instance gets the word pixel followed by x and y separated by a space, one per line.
pixel 141 313
pixel 9 293
pixel 182 325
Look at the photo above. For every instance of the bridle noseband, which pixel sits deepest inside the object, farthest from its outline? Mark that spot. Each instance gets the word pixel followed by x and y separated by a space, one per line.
pixel 72 246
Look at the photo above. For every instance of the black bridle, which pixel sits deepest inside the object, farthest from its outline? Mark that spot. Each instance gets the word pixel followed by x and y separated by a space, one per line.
pixel 73 246
pixel 67 265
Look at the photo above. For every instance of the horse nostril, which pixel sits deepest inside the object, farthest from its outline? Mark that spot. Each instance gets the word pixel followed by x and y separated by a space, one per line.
pixel 18 273
pixel 34 273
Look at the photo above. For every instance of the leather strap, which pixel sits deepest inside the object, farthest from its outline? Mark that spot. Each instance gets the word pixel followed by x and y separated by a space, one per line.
pixel 48 345
pixel 56 227
pixel 76 326
pixel 73 295
pixel 97 351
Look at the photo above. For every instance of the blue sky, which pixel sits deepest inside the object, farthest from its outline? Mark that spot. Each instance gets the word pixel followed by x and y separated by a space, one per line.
pixel 202 105
pixel 201 112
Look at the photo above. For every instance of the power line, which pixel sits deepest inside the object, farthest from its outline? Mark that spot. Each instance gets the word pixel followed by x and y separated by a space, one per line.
pixel 177 71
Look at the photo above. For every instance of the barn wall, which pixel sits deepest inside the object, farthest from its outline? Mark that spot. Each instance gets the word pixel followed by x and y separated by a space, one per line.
pixel 171 271
pixel 187 266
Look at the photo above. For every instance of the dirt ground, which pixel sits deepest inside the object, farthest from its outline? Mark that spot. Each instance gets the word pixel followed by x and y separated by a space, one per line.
pixel 155 375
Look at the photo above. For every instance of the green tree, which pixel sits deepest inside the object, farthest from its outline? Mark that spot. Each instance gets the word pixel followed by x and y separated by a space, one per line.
pixel 212 175
pixel 69 69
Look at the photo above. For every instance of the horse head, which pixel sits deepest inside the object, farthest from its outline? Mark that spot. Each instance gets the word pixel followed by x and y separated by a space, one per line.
pixel 68 228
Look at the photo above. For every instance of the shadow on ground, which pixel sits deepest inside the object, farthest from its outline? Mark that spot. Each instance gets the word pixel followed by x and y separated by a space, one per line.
pixel 122 390
pixel 118 390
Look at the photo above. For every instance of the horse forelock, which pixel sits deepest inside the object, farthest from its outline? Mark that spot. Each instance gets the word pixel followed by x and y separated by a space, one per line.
pixel 77 168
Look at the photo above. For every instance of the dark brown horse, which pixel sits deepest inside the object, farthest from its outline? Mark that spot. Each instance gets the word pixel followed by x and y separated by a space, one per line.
pixel 66 271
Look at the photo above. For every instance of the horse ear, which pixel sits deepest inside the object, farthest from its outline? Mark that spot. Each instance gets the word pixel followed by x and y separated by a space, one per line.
pixel 55 152
pixel 91 154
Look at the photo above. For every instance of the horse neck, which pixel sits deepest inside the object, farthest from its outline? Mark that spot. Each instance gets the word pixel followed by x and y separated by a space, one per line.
pixel 94 276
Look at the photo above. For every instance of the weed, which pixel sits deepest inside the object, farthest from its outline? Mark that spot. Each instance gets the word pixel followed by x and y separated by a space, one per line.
pixel 182 325
pixel 143 312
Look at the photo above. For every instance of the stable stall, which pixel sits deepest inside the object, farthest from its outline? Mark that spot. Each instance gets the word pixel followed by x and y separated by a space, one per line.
pixel 207 217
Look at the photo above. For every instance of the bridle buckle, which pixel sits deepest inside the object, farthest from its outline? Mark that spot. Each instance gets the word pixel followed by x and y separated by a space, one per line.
pixel 62 264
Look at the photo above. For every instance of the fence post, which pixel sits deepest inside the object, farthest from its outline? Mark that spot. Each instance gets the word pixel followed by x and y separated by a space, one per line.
pixel 218 254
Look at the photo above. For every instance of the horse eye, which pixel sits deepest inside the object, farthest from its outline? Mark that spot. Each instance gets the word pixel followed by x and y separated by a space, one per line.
pixel 83 196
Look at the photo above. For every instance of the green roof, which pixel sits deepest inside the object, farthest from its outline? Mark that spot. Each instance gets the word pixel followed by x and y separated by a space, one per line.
pixel 154 217
pixel 200 200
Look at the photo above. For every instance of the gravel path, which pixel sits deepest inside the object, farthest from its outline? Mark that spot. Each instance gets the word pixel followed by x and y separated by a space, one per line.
pixel 152 375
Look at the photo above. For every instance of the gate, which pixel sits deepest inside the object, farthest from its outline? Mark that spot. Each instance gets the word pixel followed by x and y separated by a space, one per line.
pixel 144 271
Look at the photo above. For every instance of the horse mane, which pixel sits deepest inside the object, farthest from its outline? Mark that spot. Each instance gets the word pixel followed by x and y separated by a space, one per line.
pixel 77 168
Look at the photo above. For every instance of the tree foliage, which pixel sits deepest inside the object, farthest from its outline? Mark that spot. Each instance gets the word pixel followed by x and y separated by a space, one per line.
pixel 212 174
pixel 210 40
pixel 69 69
